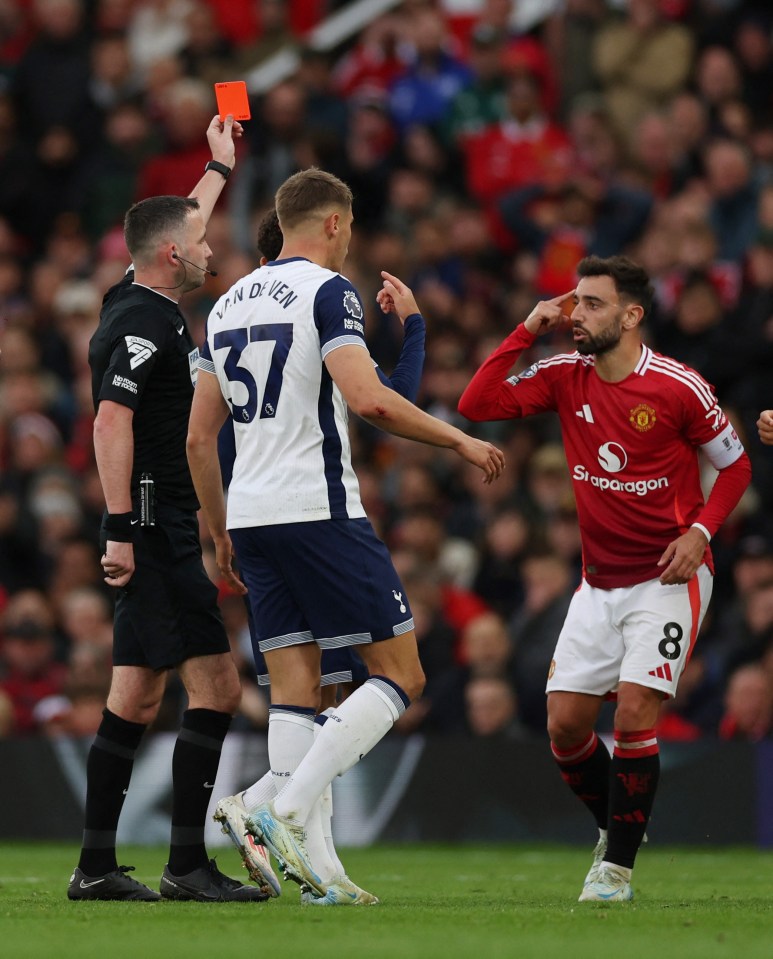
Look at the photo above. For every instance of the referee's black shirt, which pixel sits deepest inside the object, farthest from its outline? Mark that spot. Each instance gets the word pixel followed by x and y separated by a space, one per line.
pixel 142 356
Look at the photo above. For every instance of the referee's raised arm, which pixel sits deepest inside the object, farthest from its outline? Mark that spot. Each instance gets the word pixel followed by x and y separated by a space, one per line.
pixel 220 136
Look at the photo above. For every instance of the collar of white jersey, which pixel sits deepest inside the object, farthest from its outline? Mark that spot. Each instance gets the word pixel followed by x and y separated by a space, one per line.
pixel 288 259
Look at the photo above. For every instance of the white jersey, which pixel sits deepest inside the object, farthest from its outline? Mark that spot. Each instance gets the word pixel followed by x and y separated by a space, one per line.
pixel 266 341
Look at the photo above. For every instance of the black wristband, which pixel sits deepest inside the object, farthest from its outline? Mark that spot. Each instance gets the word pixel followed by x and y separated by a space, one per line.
pixel 218 167
pixel 118 527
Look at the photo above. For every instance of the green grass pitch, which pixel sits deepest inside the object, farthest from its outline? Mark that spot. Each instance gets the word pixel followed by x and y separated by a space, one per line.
pixel 438 902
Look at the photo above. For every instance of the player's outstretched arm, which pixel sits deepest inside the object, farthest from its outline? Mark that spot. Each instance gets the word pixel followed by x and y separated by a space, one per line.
pixel 765 427
pixel 352 371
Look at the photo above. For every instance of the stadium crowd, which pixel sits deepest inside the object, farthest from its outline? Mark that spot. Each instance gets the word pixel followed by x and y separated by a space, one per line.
pixel 485 159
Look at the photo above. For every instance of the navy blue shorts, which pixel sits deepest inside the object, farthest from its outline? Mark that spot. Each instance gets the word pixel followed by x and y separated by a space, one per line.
pixel 331 582
pixel 168 610
pixel 338 666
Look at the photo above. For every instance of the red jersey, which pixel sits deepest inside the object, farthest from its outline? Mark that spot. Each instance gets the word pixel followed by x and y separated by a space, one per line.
pixel 632 449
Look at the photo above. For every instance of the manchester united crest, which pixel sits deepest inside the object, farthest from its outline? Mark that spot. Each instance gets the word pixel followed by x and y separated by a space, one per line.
pixel 642 417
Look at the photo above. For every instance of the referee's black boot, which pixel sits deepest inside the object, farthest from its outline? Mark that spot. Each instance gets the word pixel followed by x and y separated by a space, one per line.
pixel 208 884
pixel 113 886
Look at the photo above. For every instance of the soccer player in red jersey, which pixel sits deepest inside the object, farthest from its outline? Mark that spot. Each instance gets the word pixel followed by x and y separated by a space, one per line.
pixel 632 422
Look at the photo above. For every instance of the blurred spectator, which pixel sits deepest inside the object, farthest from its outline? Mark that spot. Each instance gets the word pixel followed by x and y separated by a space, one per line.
pixel 482 101
pixel 326 114
pixel 113 80
pixel 583 217
pixel 188 107
pixel 549 583
pixel 548 483
pixel 748 705
pixel 158 29
pixel 275 34
pixel 372 65
pixel 507 537
pixel 688 125
pixel 275 139
pixel 570 36
pixel 491 708
pixel 734 196
pixel 423 91
pixel 641 61
pixel 29 671
pixel 524 148
pixel 753 45
pixel 484 653
pixel 51 81
pixel 207 54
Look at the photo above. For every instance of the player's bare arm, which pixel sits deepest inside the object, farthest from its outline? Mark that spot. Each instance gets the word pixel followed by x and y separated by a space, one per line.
pixel 765 427
pixel 208 413
pixel 396 297
pixel 114 453
pixel 549 314
pixel 682 557
pixel 353 373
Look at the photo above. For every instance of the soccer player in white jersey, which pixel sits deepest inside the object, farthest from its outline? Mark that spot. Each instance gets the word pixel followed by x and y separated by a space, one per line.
pixel 284 356
pixel 341 668
pixel 632 422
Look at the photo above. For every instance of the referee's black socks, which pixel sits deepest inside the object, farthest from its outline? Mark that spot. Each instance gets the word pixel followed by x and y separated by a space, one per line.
pixel 108 772
pixel 194 768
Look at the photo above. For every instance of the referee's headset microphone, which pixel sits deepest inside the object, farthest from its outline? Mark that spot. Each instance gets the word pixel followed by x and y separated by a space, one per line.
pixel 176 256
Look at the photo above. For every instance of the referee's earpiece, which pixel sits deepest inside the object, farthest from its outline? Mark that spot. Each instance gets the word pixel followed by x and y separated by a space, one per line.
pixel 176 256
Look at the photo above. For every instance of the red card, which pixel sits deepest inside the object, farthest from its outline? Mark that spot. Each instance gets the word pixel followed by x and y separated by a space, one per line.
pixel 232 98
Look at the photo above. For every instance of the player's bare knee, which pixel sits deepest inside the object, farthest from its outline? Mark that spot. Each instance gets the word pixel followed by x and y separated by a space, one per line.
pixel 411 681
pixel 416 685
pixel 637 707
pixel 565 732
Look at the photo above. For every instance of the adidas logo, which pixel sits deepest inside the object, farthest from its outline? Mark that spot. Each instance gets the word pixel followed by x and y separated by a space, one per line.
pixel 662 672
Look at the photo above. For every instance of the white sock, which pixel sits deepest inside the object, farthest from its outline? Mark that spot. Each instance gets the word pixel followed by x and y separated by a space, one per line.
pixel 290 736
pixel 263 791
pixel 325 804
pixel 350 733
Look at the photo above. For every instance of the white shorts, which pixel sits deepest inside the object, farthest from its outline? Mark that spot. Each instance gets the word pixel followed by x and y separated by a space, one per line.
pixel 641 634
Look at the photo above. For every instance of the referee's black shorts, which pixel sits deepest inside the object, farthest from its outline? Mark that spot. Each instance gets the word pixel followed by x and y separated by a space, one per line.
pixel 168 610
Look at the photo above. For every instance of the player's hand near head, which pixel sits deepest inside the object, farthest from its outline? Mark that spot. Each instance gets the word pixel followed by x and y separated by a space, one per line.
pixel 765 427
pixel 118 563
pixel 549 314
pixel 396 297
pixel 224 556
pixel 221 136
pixel 484 455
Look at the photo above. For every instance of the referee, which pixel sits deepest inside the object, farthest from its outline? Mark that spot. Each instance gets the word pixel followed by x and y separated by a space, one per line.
pixel 143 362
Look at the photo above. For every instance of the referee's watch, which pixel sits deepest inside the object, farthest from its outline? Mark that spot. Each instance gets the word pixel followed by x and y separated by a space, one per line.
pixel 221 168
